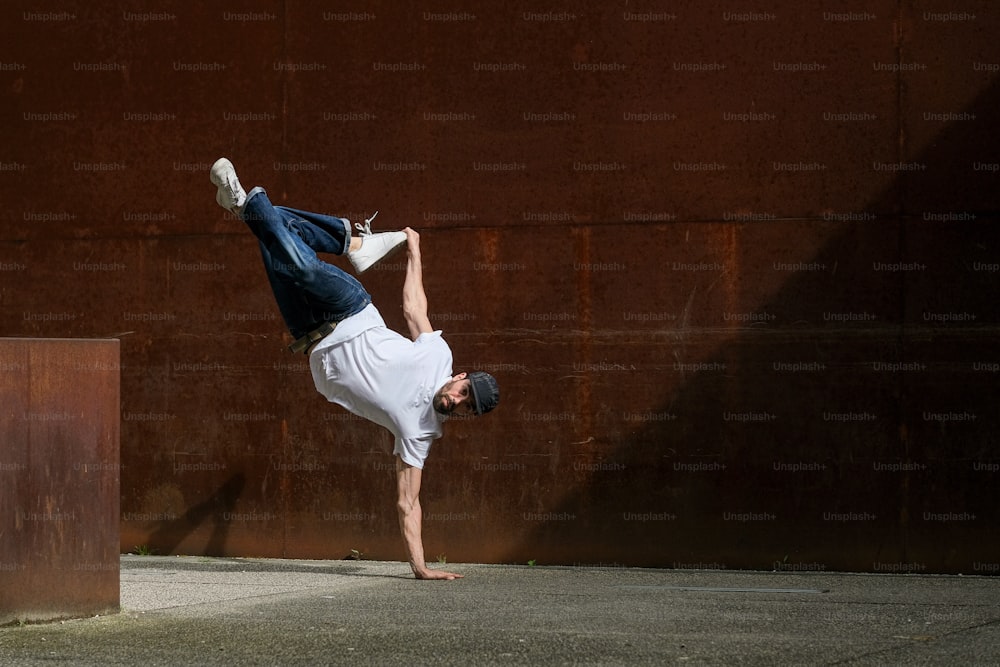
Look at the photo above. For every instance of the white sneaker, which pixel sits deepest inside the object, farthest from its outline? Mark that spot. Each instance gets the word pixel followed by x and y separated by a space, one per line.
pixel 231 195
pixel 374 247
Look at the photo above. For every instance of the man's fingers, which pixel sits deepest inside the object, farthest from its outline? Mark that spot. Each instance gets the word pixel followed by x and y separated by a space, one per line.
pixel 441 575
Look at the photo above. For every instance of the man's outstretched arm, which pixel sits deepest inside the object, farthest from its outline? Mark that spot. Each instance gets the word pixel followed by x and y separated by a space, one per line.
pixel 408 484
pixel 414 298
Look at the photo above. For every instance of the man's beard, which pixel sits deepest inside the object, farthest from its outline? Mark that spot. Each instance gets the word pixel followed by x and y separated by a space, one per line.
pixel 440 406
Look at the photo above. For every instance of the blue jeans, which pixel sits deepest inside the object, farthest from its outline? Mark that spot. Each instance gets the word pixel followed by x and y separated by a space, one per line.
pixel 309 291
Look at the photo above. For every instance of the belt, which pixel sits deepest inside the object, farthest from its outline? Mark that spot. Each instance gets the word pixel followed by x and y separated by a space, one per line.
pixel 303 344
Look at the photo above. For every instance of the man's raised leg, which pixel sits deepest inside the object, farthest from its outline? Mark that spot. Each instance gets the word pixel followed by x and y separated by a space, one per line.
pixel 322 233
pixel 309 292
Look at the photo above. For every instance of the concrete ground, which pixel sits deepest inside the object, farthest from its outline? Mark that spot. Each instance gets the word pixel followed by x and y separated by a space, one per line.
pixel 219 611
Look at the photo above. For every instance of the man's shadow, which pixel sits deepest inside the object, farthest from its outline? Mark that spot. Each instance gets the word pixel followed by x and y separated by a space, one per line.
pixel 222 501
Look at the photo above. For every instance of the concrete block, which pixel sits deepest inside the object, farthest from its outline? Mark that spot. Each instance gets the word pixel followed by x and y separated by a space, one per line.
pixel 59 478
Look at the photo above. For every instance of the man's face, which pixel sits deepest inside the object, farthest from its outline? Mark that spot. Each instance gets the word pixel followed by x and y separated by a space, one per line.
pixel 455 397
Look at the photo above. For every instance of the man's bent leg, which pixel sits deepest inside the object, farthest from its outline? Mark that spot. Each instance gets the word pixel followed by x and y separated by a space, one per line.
pixel 322 233
pixel 308 290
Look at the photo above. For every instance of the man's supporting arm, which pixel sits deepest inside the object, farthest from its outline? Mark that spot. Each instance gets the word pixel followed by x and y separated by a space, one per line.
pixel 408 505
pixel 414 298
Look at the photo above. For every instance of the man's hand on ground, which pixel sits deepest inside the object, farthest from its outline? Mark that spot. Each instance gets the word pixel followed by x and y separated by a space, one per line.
pixel 438 574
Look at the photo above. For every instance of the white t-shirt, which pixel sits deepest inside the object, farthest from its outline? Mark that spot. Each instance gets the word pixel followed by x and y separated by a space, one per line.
pixel 386 378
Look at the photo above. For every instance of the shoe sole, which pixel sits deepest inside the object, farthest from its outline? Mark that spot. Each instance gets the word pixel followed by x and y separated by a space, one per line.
pixel 392 251
pixel 218 169
pixel 217 174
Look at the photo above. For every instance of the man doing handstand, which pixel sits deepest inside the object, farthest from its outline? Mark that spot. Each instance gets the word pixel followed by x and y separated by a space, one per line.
pixel 356 361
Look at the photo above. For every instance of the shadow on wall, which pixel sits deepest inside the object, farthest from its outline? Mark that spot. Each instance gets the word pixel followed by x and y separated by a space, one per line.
pixel 849 433
pixel 216 507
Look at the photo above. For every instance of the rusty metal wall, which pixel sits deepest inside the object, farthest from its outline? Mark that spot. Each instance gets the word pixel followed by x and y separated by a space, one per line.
pixel 734 265
pixel 59 478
